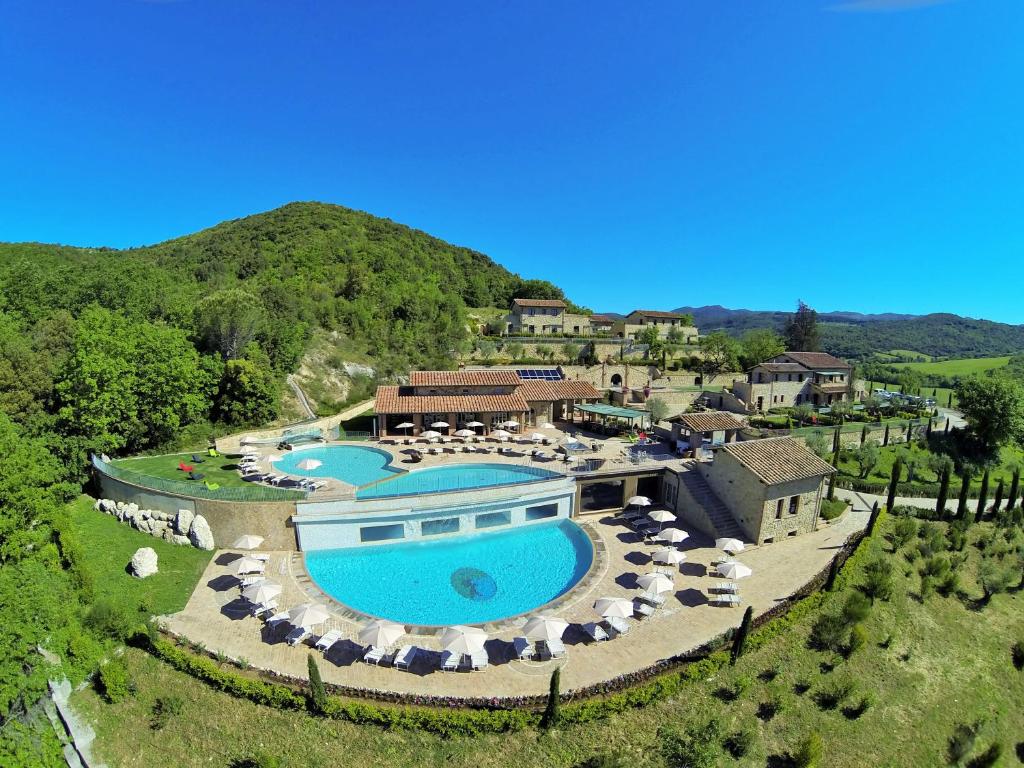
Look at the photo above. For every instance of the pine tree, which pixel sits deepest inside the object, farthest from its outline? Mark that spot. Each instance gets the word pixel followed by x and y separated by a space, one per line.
pixel 999 497
pixel 551 714
pixel 739 642
pixel 835 441
pixel 897 468
pixel 979 512
pixel 928 430
pixel 873 520
pixel 1014 489
pixel 801 331
pixel 949 401
pixel 910 432
pixel 965 484
pixel 317 691
pixel 885 438
pixel 940 504
pixel 832 477
pixel 863 434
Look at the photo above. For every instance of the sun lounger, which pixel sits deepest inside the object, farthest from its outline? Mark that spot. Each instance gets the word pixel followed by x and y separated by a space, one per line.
pixel 282 616
pixel 652 599
pixel 479 660
pixel 642 609
pixel 405 656
pixel 196 476
pixel 555 649
pixel 728 600
pixel 727 587
pixel 197 459
pixel 263 608
pixel 595 631
pixel 327 640
pixel 373 655
pixel 449 662
pixel 248 581
pixel 297 635
pixel 213 452
pixel 620 626
pixel 523 648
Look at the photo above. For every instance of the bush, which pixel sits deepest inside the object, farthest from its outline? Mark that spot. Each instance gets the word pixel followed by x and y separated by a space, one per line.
pixel 858 639
pixel 697 747
pixel 857 608
pixel 835 694
pixel 1017 654
pixel 988 758
pixel 113 681
pixel 770 707
pixel 866 702
pixel 961 743
pixel 164 708
pixel 110 620
pixel 828 632
pixel 740 743
pixel 317 692
pixel 878 582
pixel 810 751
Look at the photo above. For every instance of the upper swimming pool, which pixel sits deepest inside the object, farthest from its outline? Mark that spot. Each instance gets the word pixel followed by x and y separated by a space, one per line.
pixel 351 464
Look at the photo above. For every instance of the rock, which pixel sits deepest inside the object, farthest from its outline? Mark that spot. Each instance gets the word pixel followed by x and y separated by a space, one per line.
pixel 199 533
pixel 131 508
pixel 355 369
pixel 98 506
pixel 143 563
pixel 183 521
pixel 181 540
pixel 157 527
pixel 163 517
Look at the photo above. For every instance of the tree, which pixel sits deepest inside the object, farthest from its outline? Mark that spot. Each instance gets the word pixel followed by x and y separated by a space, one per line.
pixel 228 320
pixel 658 409
pixel 999 496
pixel 965 484
pixel 1011 502
pixel 759 345
pixel 740 640
pixel 246 394
pixel 317 691
pixel 872 519
pixel 516 350
pixel 993 408
pixel 801 332
pixel 803 412
pixel 885 438
pixel 537 289
pixel 878 581
pixel 866 456
pixel 649 336
pixel 818 443
pixel 841 409
pixel 894 481
pixel 810 751
pixel 570 351
pixel 719 351
pixel 979 512
pixel 486 348
pixel 551 710
pixel 940 503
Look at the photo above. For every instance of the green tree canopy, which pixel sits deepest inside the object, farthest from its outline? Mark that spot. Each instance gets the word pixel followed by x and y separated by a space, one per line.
pixel 802 330
pixel 720 352
pixel 759 345
pixel 993 408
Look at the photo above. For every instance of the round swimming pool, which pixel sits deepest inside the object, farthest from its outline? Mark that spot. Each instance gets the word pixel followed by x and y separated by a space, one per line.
pixel 458 579
pixel 352 464
pixel 454 477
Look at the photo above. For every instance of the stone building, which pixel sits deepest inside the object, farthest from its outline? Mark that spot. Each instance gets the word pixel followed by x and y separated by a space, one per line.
pixel 537 317
pixel 792 378
pixel 639 319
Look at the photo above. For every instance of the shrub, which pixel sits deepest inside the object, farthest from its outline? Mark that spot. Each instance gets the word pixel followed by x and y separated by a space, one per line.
pixel 835 694
pixel 317 692
pixel 113 681
pixel 828 632
pixel 961 743
pixel 866 702
pixel 857 608
pixel 858 639
pixel 164 708
pixel 1017 654
pixel 697 747
pixel 903 530
pixel 257 760
pixel 809 754
pixel 770 707
pixel 110 620
pixel 878 582
pixel 988 758
pixel 740 743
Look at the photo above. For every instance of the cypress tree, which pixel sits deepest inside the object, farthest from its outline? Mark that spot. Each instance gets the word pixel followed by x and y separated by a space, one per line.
pixel 1014 488
pixel 940 503
pixel 550 717
pixel 317 692
pixel 910 432
pixel 946 430
pixel 949 401
pixel 897 468
pixel 863 434
pixel 935 393
pixel 739 642
pixel 979 512
pixel 965 484
pixel 835 441
pixel 999 496
pixel 885 438
pixel 928 429
pixel 873 520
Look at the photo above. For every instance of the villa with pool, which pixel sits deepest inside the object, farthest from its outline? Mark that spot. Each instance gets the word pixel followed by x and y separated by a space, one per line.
pixel 494 508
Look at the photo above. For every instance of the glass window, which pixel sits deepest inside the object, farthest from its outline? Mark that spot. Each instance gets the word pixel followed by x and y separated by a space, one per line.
pixel 778 510
pixel 794 505
pixel 437 527
pixel 541 512
pixel 492 519
pixel 382 532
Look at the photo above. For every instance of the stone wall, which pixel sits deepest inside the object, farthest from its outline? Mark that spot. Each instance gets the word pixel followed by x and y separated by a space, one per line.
pixel 809 492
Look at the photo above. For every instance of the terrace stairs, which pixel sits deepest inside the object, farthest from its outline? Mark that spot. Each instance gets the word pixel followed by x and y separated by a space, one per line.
pixel 718 514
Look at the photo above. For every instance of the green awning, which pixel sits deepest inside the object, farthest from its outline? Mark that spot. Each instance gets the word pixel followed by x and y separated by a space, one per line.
pixel 601 409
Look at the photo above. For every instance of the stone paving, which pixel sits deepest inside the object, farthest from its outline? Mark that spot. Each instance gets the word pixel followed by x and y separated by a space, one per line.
pixel 216 616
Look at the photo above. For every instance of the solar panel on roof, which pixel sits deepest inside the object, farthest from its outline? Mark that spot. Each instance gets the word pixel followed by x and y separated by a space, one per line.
pixel 539 374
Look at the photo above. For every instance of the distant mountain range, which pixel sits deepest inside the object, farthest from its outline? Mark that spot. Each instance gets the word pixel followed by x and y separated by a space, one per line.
pixel 859 335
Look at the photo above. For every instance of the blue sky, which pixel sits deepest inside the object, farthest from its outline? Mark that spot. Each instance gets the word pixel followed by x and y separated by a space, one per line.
pixel 856 154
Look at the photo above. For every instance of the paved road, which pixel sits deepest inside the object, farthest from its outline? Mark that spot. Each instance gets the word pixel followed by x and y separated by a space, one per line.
pixel 864 501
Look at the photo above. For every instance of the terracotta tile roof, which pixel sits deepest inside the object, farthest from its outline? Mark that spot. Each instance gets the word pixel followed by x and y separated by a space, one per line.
pixel 601 319
pixel 711 421
pixel 539 303
pixel 783 367
pixel 817 361
pixel 534 391
pixel 778 459
pixel 657 313
pixel 463 378
pixel 391 399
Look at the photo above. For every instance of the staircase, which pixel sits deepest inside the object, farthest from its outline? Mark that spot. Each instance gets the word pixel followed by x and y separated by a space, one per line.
pixel 717 513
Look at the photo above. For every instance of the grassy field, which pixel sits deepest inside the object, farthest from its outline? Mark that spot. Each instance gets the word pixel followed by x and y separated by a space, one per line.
pixel 928 665
pixel 220 469
pixel 108 547
pixel 966 367
pixel 1008 456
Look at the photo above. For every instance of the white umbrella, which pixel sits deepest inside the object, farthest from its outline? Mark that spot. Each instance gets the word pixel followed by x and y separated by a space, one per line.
pixel 429 434
pixel 656 583
pixel 501 434
pixel 732 546
pixel 546 425
pixel 308 615
pixel 638 501
pixel 672 536
pixel 662 516
pixel 381 633
pixel 405 426
pixel 475 424
pixel 461 639
pixel 248 541
pixel 262 592
pixel 734 570
pixel 545 628
pixel 465 433
pixel 511 423
pixel 308 464
pixel 667 556
pixel 614 606
pixel 537 437
pixel 440 425
pixel 246 565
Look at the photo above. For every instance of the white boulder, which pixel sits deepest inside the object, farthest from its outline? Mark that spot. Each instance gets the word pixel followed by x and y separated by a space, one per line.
pixel 183 521
pixel 143 563
pixel 200 534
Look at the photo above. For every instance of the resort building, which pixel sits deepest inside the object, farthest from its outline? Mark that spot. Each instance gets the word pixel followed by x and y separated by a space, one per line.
pixel 639 319
pixel 793 378
pixel 477 397
pixel 693 432
pixel 601 324
pixel 758 490
pixel 536 317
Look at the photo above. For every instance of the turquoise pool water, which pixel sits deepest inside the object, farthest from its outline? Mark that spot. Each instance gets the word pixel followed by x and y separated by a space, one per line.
pixel 454 477
pixel 459 579
pixel 349 463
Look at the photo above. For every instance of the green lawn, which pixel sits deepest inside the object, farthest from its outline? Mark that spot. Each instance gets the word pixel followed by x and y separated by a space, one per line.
pixel 108 547
pixel 965 367
pixel 881 474
pixel 223 469
pixel 926 667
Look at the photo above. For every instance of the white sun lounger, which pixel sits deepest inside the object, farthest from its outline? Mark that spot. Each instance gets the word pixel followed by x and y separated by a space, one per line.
pixel 374 655
pixel 283 615
pixel 479 660
pixel 555 649
pixel 263 608
pixel 642 609
pixel 248 581
pixel 651 599
pixel 297 635
pixel 729 600
pixel 261 556
pixel 595 631
pixel 621 626
pixel 449 662
pixel 523 647
pixel 327 640
pixel 405 656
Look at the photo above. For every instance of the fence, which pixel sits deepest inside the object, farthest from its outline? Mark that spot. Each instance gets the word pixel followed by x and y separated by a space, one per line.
pixel 196 490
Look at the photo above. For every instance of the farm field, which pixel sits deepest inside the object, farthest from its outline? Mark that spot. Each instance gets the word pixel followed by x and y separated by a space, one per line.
pixel 965 367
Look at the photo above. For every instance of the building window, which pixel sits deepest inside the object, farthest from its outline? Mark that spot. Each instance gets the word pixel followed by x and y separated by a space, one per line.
pixel 493 519
pixel 541 512
pixel 782 398
pixel 382 532
pixel 778 510
pixel 794 505
pixel 437 527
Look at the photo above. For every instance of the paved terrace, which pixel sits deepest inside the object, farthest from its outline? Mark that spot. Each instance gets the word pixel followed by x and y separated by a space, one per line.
pixel 216 617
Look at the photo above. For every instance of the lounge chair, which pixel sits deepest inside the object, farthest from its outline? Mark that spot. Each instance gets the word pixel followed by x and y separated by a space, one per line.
pixel 479 660
pixel 185 467
pixel 281 616
pixel 595 631
pixel 374 655
pixel 212 486
pixel 196 476
pixel 197 459
pixel 523 648
pixel 620 626
pixel 327 640
pixel 248 581
pixel 263 608
pixel 555 649
pixel 212 452
pixel 263 557
pixel 651 599
pixel 727 587
pixel 642 609
pixel 297 635
pixel 449 662
pixel 728 600
pixel 405 656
